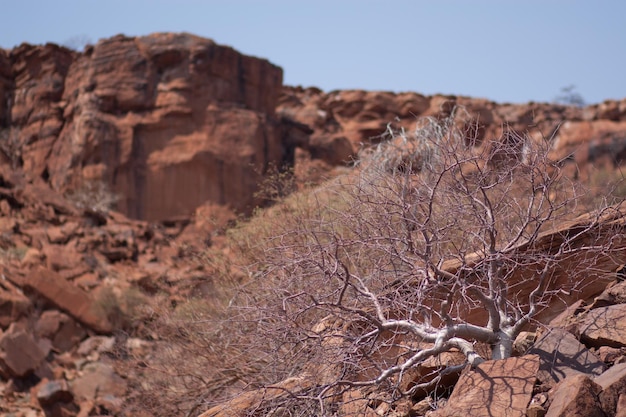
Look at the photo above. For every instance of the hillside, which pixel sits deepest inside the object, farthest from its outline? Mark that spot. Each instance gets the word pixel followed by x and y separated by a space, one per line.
pixel 130 172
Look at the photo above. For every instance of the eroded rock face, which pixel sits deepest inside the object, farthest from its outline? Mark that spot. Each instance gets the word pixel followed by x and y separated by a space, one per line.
pixel 174 121
pixel 578 136
pixel 169 121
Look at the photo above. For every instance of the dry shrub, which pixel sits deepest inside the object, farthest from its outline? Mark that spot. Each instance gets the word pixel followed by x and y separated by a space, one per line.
pixel 606 182
pixel 277 184
pixel 93 195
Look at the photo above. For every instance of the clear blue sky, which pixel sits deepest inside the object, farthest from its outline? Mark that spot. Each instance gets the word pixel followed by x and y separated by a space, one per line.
pixel 504 50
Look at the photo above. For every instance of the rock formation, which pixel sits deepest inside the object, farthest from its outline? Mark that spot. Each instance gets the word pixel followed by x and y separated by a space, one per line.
pixel 344 121
pixel 168 121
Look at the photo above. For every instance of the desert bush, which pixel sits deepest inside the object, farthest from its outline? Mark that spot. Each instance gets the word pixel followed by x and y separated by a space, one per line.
pixel 431 245
pixel 93 195
pixel 77 42
pixel 12 253
pixel 277 184
pixel 607 182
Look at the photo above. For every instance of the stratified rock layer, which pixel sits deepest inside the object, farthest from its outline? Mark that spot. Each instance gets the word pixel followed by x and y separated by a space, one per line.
pixel 168 121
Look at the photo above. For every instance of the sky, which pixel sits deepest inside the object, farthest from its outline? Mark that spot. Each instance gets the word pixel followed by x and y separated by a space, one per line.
pixel 504 50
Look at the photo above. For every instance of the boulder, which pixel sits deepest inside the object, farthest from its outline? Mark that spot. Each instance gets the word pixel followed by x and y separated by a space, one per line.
pixel 613 383
pixel 609 355
pixel 434 367
pixel 60 329
pixel 98 380
pixel 561 355
pixel 20 354
pixel 60 258
pixel 605 326
pixel 621 406
pixel 39 194
pixel 13 304
pixel 62 234
pixel 576 396
pixel 567 319
pixel 99 344
pixel 535 410
pixel 614 294
pixel 54 391
pixel 354 402
pixel 495 388
pixel 334 149
pixel 241 405
pixel 523 342
pixel 69 298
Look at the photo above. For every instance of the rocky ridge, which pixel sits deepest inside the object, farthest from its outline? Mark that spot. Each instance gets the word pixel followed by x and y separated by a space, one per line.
pixel 342 122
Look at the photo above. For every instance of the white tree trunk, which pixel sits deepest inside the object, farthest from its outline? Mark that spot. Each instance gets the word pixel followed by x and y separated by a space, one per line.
pixel 503 348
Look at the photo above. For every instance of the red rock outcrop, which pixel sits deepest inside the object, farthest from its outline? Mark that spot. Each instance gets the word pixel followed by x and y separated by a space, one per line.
pixel 343 121
pixel 169 121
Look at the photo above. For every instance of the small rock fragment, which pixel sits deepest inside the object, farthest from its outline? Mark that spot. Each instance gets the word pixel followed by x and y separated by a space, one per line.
pixel 54 391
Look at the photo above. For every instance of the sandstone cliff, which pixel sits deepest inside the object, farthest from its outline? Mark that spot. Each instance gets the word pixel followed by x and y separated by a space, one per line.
pixel 169 121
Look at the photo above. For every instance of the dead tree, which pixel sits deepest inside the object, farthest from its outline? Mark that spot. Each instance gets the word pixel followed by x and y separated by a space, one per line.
pixel 375 255
pixel 426 247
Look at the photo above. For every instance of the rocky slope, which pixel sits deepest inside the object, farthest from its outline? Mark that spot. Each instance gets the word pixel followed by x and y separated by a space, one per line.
pixel 74 280
pixel 74 286
pixel 179 131
pixel 572 364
